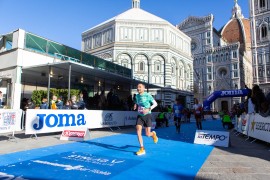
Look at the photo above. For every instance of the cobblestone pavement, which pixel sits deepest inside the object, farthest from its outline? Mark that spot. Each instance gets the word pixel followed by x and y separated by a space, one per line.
pixel 243 160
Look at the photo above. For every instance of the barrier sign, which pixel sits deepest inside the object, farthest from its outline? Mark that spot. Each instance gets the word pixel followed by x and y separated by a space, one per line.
pixel 213 138
pixel 75 135
pixel 10 120
pixel 46 121
pixel 259 127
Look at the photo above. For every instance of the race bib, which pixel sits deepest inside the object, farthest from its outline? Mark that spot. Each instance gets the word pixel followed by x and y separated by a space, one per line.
pixel 176 111
pixel 140 109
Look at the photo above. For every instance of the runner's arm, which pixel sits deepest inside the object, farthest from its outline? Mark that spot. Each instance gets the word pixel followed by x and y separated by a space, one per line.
pixel 154 104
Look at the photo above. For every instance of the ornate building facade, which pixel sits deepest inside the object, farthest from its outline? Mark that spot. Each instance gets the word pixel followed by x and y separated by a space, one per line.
pixel 222 59
pixel 155 50
pixel 260 24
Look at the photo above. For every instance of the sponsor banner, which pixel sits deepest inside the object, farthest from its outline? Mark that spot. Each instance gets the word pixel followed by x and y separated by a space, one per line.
pixel 259 127
pixel 46 121
pixel 213 138
pixel 244 123
pixel 10 120
pixel 75 135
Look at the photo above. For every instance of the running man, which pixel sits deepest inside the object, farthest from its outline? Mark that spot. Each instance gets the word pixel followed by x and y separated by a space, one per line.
pixel 177 111
pixel 144 103
pixel 197 108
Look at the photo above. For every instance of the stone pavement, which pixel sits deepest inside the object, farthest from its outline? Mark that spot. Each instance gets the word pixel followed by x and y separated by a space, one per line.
pixel 243 160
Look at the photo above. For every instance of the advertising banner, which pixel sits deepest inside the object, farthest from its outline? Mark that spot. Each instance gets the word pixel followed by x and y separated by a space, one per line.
pixel 10 120
pixel 244 123
pixel 75 134
pixel 46 121
pixel 259 127
pixel 213 138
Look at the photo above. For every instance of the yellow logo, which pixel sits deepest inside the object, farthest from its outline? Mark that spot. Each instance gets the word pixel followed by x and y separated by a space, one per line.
pixel 253 125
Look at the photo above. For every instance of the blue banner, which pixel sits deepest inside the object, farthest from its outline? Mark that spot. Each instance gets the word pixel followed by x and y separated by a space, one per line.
pixel 221 94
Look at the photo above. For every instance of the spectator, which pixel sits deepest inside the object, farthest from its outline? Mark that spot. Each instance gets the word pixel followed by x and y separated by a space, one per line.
pixel 257 98
pixel 53 102
pixel 109 98
pixel 265 106
pixel 44 104
pixel 102 100
pixel 130 102
pixel 161 119
pixel 81 103
pixel 74 104
pixel 29 105
pixel 67 105
pixel 1 99
pixel 188 114
pixel 59 103
pixel 226 121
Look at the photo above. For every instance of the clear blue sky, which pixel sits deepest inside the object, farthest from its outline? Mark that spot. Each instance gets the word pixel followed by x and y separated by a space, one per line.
pixel 63 21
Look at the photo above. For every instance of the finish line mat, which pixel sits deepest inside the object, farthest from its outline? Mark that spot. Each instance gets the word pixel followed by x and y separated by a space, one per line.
pixel 113 157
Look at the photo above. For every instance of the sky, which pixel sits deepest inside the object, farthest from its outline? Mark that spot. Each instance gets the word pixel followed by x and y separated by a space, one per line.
pixel 63 21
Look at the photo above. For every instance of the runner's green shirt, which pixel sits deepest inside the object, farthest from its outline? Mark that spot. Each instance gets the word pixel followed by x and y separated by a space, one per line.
pixel 144 101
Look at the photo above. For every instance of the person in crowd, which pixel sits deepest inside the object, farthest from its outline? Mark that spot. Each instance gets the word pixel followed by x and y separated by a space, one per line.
pixel 226 121
pixel 44 103
pixel 1 99
pixel 81 103
pixel 250 105
pixel 161 119
pixel 59 103
pixel 74 104
pixel 53 102
pixel 102 101
pixel 178 112
pixel 130 102
pixel 67 105
pixel 257 97
pixel 188 112
pixel 144 104
pixel 265 106
pixel 29 105
pixel 109 98
pixel 197 109
pixel 115 101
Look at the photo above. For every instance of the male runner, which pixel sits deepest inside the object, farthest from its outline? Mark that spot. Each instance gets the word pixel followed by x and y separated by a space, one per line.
pixel 144 103
pixel 177 111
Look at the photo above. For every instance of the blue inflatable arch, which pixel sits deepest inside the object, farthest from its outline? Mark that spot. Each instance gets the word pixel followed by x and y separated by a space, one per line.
pixel 221 94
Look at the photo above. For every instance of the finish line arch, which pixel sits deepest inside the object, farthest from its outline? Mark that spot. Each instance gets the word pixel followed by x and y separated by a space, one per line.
pixel 221 94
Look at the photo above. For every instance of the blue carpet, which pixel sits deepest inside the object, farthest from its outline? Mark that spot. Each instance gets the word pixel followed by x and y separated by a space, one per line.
pixel 174 157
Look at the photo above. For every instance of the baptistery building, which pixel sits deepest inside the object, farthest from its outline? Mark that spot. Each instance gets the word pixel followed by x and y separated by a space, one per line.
pixel 222 58
pixel 156 51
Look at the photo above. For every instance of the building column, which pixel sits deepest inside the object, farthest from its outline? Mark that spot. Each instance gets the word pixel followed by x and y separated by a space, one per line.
pixel 16 88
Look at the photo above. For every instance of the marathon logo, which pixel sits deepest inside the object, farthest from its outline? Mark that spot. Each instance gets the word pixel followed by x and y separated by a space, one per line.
pixel 212 137
pixel 68 133
pixel 58 120
pixel 229 93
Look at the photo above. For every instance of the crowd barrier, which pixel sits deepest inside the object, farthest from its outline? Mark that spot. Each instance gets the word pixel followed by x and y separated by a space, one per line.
pixel 254 125
pixel 47 121
pixel 10 120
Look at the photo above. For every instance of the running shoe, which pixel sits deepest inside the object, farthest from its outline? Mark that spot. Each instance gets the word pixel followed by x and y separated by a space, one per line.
pixel 155 138
pixel 141 151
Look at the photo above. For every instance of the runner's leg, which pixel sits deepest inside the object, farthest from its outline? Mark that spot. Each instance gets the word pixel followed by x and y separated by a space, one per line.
pixel 139 134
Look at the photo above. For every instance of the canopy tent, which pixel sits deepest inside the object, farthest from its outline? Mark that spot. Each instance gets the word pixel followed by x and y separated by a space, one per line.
pixel 70 74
